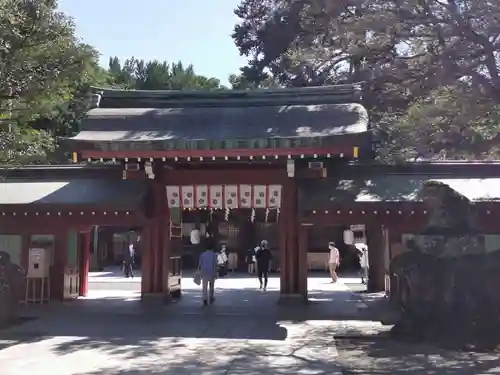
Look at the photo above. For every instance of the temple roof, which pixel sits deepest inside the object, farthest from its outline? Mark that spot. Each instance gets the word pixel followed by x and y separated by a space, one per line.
pixel 262 119
pixel 118 194
pixel 316 194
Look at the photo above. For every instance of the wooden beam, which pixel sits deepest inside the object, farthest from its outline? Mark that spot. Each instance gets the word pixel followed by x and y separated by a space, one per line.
pixel 457 170
pixel 345 149
pixel 43 223
pixel 227 177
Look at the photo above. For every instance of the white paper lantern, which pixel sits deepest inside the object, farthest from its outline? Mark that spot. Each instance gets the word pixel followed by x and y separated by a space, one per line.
pixel 348 237
pixel 195 236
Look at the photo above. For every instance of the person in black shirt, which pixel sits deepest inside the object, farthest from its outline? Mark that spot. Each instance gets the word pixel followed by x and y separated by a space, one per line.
pixel 250 261
pixel 263 257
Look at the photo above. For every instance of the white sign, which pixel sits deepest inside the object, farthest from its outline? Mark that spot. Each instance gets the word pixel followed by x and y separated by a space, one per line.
pixel 187 196
pixel 260 196
pixel 216 198
pixel 173 196
pixel 201 196
pixel 231 196
pixel 246 196
pixel 274 198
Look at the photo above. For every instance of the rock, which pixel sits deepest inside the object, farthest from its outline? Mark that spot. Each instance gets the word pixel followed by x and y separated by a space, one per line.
pixel 12 281
pixel 446 284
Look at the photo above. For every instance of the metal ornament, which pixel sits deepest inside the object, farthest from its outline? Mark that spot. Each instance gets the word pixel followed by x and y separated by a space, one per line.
pixel 226 216
pixel 252 218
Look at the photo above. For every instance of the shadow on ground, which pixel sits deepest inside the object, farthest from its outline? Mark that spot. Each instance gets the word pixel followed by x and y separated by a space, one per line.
pixel 245 332
pixel 382 355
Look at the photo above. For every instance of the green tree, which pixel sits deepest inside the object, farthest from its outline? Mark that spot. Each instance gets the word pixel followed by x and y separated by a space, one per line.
pixel 408 53
pixel 42 66
pixel 241 82
pixel 157 75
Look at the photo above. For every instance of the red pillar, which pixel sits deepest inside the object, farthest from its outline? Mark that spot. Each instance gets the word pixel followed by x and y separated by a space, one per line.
pixel 147 261
pixel 304 232
pixel 376 273
pixel 293 259
pixel 157 263
pixel 84 269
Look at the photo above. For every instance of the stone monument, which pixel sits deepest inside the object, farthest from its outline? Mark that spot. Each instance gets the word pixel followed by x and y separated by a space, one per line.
pixel 446 283
pixel 12 280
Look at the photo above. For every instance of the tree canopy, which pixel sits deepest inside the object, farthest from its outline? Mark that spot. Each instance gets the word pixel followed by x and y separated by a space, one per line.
pixel 430 70
pixel 47 73
pixel 156 75
pixel 430 67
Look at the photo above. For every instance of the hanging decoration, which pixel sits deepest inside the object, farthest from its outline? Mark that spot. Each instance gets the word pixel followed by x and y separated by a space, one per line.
pixel 274 196
pixel 267 215
pixel 187 196
pixel 245 196
pixel 215 194
pixel 226 215
pixel 277 214
pixel 259 196
pixel 252 217
pixel 220 197
pixel 173 196
pixel 231 196
pixel 201 194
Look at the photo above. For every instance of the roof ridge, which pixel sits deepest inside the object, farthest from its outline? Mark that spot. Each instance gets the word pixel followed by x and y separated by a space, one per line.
pixel 221 97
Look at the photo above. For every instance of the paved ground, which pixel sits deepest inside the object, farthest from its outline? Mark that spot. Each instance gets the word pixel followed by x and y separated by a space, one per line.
pixel 244 333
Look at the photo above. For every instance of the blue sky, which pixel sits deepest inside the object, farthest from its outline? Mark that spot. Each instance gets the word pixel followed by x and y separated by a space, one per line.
pixel 194 31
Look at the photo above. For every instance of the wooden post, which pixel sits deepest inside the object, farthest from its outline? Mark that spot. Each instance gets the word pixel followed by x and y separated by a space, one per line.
pixel 156 268
pixel 85 257
pixel 294 275
pixel 157 257
pixel 282 225
pixel 56 280
pixel 304 231
pixel 376 258
pixel 147 261
pixel 165 232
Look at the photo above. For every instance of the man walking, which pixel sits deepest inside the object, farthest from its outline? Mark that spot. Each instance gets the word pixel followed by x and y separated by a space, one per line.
pixel 263 257
pixel 207 266
pixel 333 261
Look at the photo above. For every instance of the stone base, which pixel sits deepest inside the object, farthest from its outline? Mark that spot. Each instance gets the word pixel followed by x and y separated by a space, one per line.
pixel 292 300
pixel 155 298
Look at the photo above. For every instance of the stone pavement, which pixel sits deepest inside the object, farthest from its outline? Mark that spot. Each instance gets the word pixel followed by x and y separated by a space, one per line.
pixel 244 333
pixel 236 294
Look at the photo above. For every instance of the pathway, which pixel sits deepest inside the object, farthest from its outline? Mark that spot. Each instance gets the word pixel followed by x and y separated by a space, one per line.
pixel 244 333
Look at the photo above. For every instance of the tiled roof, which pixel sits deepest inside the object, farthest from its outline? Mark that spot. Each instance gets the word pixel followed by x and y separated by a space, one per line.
pixel 109 193
pixel 320 193
pixel 308 117
pixel 239 127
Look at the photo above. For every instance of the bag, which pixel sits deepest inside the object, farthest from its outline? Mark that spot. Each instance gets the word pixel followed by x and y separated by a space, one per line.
pixel 222 271
pixel 197 278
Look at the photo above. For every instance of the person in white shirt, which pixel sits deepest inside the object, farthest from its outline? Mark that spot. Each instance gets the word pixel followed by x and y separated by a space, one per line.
pixel 363 262
pixel 222 262
pixel 333 261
